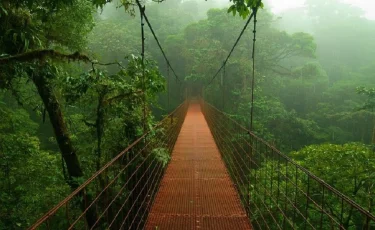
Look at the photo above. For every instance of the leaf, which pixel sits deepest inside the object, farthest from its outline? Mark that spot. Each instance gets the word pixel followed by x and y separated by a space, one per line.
pixel 231 9
pixel 26 44
pixel 3 11
pixel 162 155
pixel 15 35
pixel 22 36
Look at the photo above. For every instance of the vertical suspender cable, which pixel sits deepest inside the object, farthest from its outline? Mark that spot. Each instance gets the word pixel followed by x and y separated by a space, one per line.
pixel 255 11
pixel 142 11
pixel 156 39
pixel 223 88
pixel 253 78
pixel 231 51
pixel 169 89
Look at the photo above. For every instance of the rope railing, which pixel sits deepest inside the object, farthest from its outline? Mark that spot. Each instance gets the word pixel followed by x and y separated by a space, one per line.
pixel 120 194
pixel 276 192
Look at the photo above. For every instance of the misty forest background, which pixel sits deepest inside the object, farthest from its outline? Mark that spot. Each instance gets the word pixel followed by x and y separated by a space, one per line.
pixel 314 96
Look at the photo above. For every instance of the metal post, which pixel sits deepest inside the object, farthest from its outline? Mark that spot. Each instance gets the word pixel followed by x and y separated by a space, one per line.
pixel 142 10
pixel 223 88
pixel 253 79
pixel 168 88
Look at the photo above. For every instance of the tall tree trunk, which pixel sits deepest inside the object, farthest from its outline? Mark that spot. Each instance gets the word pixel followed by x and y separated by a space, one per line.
pixel 59 127
pixel 99 128
pixel 65 144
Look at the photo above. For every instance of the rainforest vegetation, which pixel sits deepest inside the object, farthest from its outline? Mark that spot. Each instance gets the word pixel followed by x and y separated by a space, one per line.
pixel 71 91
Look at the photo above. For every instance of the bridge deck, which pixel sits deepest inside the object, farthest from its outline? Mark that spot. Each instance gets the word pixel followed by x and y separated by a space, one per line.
pixel 196 191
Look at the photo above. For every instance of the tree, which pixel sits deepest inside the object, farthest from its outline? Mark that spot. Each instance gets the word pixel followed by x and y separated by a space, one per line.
pixel 28 28
pixel 31 25
pixel 24 164
pixel 369 105
pixel 119 100
pixel 281 187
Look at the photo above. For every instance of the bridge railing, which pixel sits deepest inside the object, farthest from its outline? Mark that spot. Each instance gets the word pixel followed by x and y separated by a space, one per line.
pixel 121 193
pixel 276 192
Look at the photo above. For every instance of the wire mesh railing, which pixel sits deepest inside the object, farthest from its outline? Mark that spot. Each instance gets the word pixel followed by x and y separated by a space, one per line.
pixel 276 192
pixel 121 193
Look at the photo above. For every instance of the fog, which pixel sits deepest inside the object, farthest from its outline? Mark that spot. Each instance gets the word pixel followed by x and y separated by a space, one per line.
pixel 79 84
pixel 332 41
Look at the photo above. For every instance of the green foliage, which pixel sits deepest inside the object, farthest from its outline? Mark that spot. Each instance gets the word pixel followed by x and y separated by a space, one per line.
pixel 243 7
pixel 108 108
pixel 35 26
pixel 305 90
pixel 349 168
pixel 25 170
pixel 370 93
pixel 161 155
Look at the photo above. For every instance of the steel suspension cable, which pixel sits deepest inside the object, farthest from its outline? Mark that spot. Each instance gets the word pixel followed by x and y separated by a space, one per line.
pixel 156 39
pixel 233 47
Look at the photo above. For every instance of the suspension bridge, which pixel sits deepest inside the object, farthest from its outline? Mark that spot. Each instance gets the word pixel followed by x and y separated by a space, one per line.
pixel 220 176
pixel 199 169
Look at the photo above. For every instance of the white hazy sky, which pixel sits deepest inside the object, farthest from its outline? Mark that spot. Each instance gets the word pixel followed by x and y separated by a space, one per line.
pixel 278 6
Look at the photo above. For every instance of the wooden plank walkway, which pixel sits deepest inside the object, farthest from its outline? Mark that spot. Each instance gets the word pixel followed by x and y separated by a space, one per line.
pixel 196 191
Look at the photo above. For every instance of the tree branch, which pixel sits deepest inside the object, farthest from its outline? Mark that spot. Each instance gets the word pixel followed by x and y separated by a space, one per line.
pixel 280 72
pixel 48 53
pixel 89 123
pixel 109 100
pixel 43 54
